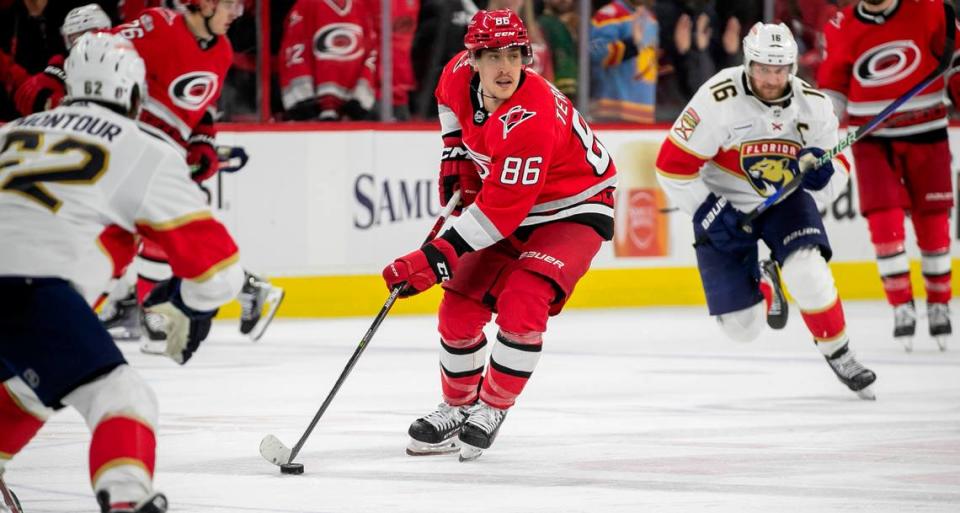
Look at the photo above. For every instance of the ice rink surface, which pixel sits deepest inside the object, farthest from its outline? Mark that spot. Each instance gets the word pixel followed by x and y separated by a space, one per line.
pixel 629 410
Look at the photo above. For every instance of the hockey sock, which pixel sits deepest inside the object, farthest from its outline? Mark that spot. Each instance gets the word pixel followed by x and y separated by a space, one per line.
pixel 810 281
pixel 512 361
pixel 21 416
pixel 887 235
pixel 121 410
pixel 461 368
pixel 767 290
pixel 933 237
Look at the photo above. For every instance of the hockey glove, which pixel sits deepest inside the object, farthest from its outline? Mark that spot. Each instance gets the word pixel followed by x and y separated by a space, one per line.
pixel 185 328
pixel 42 91
pixel 457 172
pixel 719 222
pixel 202 150
pixel 814 179
pixel 423 268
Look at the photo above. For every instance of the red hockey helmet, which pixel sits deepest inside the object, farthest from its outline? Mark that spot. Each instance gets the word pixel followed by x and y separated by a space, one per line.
pixel 501 28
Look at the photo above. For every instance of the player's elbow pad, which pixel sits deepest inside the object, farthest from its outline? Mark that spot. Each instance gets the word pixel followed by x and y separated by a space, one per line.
pixel 214 291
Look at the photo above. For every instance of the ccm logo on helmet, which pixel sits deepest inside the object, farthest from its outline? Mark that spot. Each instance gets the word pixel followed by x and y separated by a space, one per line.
pixel 193 90
pixel 887 63
pixel 338 42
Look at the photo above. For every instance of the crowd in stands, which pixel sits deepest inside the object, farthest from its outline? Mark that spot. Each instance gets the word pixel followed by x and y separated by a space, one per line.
pixel 646 57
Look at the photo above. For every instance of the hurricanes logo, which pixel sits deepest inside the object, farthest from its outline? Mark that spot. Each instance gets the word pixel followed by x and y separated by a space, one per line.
pixel 193 90
pixel 514 117
pixel 769 165
pixel 338 42
pixel 887 63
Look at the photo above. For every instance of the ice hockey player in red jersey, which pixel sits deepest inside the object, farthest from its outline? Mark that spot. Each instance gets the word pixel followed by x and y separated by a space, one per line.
pixel 740 139
pixel 187 56
pixel 329 50
pixel 876 50
pixel 69 172
pixel 46 89
pixel 519 246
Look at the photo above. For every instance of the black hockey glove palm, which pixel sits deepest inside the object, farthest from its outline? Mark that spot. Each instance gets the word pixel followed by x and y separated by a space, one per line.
pixel 815 179
pixel 185 328
pixel 717 221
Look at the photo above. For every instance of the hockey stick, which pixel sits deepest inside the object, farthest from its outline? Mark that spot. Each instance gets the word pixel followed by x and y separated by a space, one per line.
pixel 855 134
pixel 271 448
pixel 9 498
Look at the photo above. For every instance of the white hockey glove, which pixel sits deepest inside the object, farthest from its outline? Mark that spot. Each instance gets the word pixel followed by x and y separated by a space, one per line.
pixel 185 328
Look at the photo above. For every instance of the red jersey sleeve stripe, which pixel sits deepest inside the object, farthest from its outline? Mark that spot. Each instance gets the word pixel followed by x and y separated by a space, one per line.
pixel 197 248
pixel 676 161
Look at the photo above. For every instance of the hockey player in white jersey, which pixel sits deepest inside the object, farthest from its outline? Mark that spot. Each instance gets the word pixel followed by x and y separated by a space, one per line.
pixel 64 175
pixel 742 137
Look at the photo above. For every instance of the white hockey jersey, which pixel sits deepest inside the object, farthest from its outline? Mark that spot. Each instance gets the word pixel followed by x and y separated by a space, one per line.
pixel 728 142
pixel 67 173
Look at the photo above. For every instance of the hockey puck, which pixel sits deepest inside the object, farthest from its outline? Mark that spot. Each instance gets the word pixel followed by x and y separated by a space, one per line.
pixel 291 468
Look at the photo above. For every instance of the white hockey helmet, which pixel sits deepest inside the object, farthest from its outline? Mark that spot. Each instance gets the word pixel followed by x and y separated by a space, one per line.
pixel 106 68
pixel 767 43
pixel 81 20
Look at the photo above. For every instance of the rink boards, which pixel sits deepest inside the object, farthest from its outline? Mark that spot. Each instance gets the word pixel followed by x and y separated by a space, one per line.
pixel 321 212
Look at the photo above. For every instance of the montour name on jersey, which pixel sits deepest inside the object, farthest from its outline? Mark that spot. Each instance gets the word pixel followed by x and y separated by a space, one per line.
pixel 82 123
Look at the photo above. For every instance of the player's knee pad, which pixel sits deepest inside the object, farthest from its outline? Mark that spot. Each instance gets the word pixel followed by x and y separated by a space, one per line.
pixel 744 325
pixel 461 319
pixel 886 230
pixel 933 230
pixel 524 303
pixel 121 410
pixel 809 279
pixel 22 414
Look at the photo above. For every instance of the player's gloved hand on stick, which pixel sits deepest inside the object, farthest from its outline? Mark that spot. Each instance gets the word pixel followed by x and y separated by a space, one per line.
pixel 202 150
pixel 185 328
pixel 815 179
pixel 423 268
pixel 717 221
pixel 457 172
pixel 43 90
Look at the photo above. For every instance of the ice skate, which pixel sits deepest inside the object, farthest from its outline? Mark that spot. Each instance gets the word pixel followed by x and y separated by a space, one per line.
pixel 905 324
pixel 479 430
pixel 154 503
pixel 436 433
pixel 938 321
pixel 852 373
pixel 121 316
pixel 779 309
pixel 259 301
pixel 9 503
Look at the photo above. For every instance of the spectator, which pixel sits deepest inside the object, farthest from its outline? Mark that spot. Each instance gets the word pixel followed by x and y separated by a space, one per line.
pixel 807 24
pixel 559 26
pixel 328 60
pixel 623 58
pixel 439 36
pixel 403 14
pixel 542 58
pixel 696 44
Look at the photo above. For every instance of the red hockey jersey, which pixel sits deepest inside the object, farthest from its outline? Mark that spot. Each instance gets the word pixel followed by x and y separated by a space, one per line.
pixel 539 160
pixel 329 52
pixel 873 59
pixel 184 80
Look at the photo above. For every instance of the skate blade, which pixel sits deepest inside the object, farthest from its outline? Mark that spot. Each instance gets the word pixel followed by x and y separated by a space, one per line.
pixel 469 453
pixel 418 448
pixel 155 347
pixel 906 342
pixel 941 341
pixel 271 304
pixel 867 393
pixel 123 334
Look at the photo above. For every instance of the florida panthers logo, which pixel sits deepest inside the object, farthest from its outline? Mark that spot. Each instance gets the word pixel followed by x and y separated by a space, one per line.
pixel 514 117
pixel 769 165
pixel 338 42
pixel 193 90
pixel 887 63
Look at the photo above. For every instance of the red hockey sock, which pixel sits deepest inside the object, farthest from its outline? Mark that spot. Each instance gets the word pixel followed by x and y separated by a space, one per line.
pixel 887 235
pixel 17 425
pixel 461 369
pixel 933 237
pixel 121 445
pixel 512 361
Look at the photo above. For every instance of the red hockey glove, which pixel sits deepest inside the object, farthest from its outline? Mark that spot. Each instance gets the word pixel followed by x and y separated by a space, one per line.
pixel 202 151
pixel 458 172
pixel 42 91
pixel 423 268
